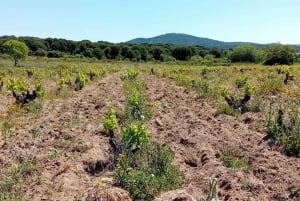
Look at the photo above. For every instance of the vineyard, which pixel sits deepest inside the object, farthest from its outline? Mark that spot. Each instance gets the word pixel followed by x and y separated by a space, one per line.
pixel 88 130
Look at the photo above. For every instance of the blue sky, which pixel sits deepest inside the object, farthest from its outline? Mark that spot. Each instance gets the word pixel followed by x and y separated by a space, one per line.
pixel 262 21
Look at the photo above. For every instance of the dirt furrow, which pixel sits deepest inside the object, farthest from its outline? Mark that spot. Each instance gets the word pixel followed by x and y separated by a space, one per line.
pixel 197 135
pixel 71 152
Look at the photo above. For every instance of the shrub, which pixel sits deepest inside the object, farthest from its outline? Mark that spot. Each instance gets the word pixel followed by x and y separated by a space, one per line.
pixel 203 88
pixel 236 103
pixel 17 85
pixel 21 92
pixel 80 81
pixel 40 91
pixel 135 135
pixel 137 108
pixel 285 134
pixel 147 172
pixel 110 123
pixel 196 59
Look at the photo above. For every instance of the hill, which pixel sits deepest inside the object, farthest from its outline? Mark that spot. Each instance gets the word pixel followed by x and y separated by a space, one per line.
pixel 189 40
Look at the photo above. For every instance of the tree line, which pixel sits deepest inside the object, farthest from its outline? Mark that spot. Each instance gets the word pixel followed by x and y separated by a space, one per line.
pixel 57 48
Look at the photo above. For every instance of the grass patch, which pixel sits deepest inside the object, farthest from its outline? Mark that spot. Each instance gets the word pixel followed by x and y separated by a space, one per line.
pixel 231 159
pixel 11 187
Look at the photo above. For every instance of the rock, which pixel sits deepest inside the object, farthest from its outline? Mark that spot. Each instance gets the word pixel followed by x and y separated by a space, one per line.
pixel 111 194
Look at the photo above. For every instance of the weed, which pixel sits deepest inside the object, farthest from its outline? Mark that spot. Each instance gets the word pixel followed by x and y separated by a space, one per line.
pixel 285 134
pixel 10 188
pixel 226 109
pixel 231 160
pixel 34 107
pixel 6 128
pixel 147 172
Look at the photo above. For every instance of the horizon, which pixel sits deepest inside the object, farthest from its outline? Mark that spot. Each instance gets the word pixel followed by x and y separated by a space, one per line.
pixel 232 21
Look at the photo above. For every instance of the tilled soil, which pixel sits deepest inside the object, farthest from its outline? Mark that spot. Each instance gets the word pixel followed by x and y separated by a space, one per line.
pixel 72 154
pixel 198 135
pixel 66 142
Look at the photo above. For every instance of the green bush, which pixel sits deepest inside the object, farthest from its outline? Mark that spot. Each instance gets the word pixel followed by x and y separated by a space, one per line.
pixel 137 108
pixel 40 91
pixel 147 172
pixel 17 85
pixel 110 123
pixel 241 81
pixel 286 134
pixel 135 135
pixel 80 81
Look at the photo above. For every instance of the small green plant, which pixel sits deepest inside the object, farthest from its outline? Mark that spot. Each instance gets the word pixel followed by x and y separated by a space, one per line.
pixel 21 92
pixel 10 188
pixel 224 108
pixel 147 172
pixel 110 123
pixel 17 85
pixel 137 108
pixel 65 80
pixel 92 75
pixel 40 91
pixel 80 81
pixel 241 81
pixel 34 107
pixel 285 134
pixel 135 135
pixel 130 75
pixel 6 128
pixel 236 103
pixel 231 160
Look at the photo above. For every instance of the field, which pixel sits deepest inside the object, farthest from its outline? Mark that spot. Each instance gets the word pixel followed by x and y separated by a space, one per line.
pixel 163 131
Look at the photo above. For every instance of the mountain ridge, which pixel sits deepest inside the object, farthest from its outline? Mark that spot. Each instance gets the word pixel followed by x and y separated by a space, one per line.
pixel 190 40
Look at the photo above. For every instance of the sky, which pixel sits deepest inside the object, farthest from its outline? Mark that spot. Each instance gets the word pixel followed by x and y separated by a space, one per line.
pixel 261 21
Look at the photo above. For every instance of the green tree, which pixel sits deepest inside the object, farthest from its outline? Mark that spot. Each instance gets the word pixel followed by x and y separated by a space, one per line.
pixel 98 53
pixel 244 53
pixel 182 53
pixel 16 49
pixel 156 52
pixel 280 54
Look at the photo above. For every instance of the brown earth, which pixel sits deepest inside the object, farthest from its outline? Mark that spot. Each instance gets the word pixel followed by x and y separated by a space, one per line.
pixel 72 154
pixel 197 135
pixel 67 144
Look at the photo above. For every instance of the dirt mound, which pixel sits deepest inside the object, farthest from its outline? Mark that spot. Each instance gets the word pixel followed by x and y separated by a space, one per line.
pixel 198 136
